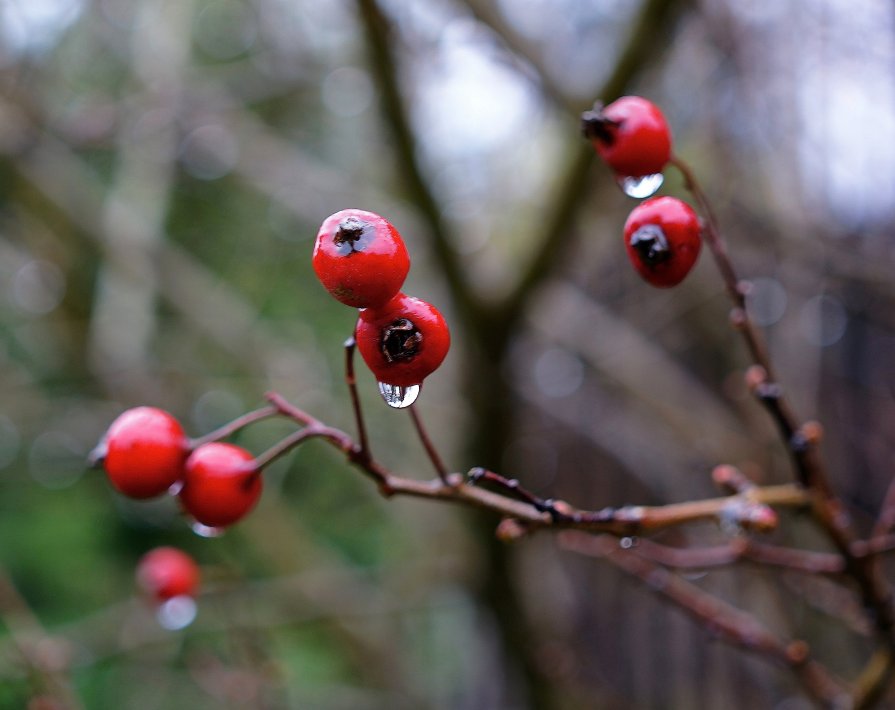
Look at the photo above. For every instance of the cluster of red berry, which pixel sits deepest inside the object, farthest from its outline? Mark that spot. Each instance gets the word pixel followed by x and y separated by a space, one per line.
pixel 662 234
pixel 362 261
pixel 145 454
pixel 360 258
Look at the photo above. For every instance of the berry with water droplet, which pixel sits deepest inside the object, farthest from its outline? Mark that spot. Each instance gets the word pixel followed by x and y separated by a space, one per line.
pixel 662 238
pixel 143 452
pixel 360 258
pixel 402 342
pixel 166 572
pixel 630 134
pixel 221 484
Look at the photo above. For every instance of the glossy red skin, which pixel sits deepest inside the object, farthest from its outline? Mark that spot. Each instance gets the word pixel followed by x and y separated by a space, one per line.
pixel 680 225
pixel 366 273
pixel 145 452
pixel 166 572
pixel 641 142
pixel 220 484
pixel 436 340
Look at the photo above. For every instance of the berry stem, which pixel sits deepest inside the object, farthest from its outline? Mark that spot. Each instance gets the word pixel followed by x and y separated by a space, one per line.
pixel 351 381
pixel 342 441
pixel 284 447
pixel 234 426
pixel 431 451
pixel 735 288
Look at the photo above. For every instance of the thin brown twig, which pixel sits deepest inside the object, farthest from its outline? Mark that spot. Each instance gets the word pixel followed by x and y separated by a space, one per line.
pixel 284 446
pixel 426 440
pixel 801 444
pixel 351 380
pixel 232 427
pixel 749 509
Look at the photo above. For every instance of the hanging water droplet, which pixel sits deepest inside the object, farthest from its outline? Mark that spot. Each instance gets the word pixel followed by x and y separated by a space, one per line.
pixel 640 187
pixel 397 396
pixel 176 613
pixel 205 530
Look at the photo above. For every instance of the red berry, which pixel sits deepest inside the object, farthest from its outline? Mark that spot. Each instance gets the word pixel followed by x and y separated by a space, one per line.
pixel 402 342
pixel 144 451
pixel 631 135
pixel 166 572
pixel 220 485
pixel 662 236
pixel 360 258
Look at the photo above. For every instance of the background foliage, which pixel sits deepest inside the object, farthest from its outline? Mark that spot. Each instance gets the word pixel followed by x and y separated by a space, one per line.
pixel 164 167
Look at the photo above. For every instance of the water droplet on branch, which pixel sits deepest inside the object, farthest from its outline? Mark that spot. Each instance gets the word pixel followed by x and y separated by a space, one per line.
pixel 397 396
pixel 642 186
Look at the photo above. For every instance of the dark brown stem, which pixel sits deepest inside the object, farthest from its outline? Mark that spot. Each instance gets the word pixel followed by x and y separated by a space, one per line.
pixel 748 509
pixel 736 290
pixel 431 451
pixel 513 487
pixel 285 446
pixel 232 427
pixel 351 380
pixel 337 438
pixel 827 509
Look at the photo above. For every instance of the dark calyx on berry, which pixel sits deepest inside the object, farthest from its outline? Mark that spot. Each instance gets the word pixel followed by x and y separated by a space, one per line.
pixel 401 340
pixel 651 244
pixel 596 126
pixel 353 234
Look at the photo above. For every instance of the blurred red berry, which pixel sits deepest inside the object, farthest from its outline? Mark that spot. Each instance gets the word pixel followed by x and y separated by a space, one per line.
pixel 403 341
pixel 220 485
pixel 360 258
pixel 166 572
pixel 662 238
pixel 143 452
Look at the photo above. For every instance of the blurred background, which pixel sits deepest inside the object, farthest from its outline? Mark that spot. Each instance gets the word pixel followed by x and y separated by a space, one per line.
pixel 164 167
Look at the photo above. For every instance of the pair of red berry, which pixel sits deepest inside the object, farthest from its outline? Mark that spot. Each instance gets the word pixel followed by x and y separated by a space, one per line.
pixel 145 453
pixel 360 258
pixel 662 235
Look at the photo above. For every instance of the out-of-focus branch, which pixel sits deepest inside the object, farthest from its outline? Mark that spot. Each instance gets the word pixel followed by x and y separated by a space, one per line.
pixel 741 548
pixel 137 203
pixel 727 622
pixel 65 184
pixel 381 42
pixel 486 13
pixel 649 37
pixel 44 656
